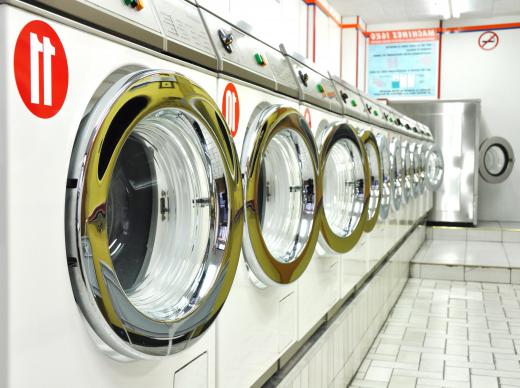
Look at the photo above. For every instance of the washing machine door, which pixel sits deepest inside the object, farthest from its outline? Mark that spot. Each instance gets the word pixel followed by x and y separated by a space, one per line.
pixel 344 176
pixel 396 173
pixel 407 157
pixel 434 168
pixel 280 171
pixel 496 159
pixel 374 164
pixel 421 167
pixel 386 184
pixel 153 215
pixel 416 169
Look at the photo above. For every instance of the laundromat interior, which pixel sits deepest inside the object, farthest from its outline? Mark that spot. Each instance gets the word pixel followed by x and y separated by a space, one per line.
pixel 275 193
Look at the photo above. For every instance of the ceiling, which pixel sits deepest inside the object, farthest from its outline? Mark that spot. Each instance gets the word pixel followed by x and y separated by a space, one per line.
pixel 387 11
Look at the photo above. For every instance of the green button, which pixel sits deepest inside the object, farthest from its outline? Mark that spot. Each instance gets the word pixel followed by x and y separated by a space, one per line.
pixel 391 120
pixel 259 59
pixel 128 2
pixel 320 88
pixel 354 103
pixel 376 113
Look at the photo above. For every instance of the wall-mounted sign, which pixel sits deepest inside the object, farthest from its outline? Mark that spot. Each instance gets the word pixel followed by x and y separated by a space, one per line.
pixel 488 40
pixel 403 63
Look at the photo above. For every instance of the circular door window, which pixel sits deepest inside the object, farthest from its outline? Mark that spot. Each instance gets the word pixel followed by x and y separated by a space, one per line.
pixel 416 169
pixel 421 167
pixel 386 185
pixel 407 157
pixel 397 173
pixel 374 164
pixel 280 169
pixel 434 168
pixel 343 176
pixel 496 160
pixel 154 220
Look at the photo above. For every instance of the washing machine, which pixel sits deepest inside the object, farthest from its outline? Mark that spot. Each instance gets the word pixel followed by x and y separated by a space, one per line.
pixel 124 249
pixel 343 178
pixel 279 163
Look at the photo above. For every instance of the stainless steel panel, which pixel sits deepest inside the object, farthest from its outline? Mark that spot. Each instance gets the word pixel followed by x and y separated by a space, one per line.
pixel 240 54
pixel 455 126
pixel 315 87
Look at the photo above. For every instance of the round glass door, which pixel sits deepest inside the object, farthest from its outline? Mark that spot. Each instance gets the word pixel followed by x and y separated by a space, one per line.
pixel 421 153
pixel 496 160
pixel 416 175
pixel 396 173
pixel 407 157
pixel 374 164
pixel 343 176
pixel 434 168
pixel 280 170
pixel 154 217
pixel 386 184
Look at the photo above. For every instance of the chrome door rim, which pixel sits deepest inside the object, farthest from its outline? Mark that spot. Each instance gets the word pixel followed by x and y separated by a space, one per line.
pixel 386 191
pixel 330 241
pixel 408 171
pixel 369 140
pixel 509 159
pixel 396 173
pixel 436 152
pixel 264 268
pixel 128 331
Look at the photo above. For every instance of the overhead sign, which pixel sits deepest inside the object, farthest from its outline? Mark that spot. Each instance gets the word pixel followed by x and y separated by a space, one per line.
pixel 231 108
pixel 488 40
pixel 40 69
pixel 403 63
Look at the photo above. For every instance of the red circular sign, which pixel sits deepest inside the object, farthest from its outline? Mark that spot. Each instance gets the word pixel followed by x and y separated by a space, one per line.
pixel 488 40
pixel 231 107
pixel 307 116
pixel 40 69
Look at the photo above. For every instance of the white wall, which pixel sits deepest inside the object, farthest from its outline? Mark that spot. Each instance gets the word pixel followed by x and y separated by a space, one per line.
pixel 493 76
pixel 328 37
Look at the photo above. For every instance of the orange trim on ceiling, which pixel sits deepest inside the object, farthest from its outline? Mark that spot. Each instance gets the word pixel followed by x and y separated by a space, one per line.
pixel 359 27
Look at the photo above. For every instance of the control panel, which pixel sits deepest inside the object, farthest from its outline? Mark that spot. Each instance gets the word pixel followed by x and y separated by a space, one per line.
pixel 314 87
pixel 376 112
pixel 239 54
pixel 349 99
pixel 134 19
pixel 185 33
pixel 285 81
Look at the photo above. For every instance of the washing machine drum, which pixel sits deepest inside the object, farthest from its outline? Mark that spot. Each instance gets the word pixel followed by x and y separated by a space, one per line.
pixel 280 170
pixel 386 185
pixel 407 157
pixel 153 220
pixel 434 168
pixel 396 174
pixel 345 178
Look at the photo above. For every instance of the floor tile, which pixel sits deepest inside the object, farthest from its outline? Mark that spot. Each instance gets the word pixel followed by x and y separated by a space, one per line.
pixel 448 334
pixel 491 254
pixel 449 234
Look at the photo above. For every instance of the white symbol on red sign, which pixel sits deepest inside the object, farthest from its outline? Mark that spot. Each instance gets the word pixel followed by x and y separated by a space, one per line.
pixel 40 69
pixel 231 108
pixel 488 40
pixel 307 116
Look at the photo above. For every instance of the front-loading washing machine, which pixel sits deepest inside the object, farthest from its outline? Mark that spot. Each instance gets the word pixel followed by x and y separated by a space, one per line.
pixel 123 250
pixel 343 178
pixel 279 163
pixel 365 251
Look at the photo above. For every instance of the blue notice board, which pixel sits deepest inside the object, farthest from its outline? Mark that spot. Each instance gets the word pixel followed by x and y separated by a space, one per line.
pixel 402 68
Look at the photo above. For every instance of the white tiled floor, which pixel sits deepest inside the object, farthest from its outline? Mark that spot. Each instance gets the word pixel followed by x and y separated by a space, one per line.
pixel 448 334
pixel 490 252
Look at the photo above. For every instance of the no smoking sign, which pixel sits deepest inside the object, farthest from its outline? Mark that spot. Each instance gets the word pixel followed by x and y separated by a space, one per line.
pixel 40 69
pixel 488 40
